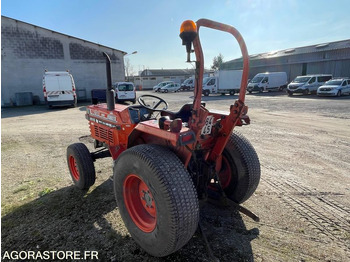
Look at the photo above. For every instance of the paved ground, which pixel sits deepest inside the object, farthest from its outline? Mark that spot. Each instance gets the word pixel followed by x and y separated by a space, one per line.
pixel 303 199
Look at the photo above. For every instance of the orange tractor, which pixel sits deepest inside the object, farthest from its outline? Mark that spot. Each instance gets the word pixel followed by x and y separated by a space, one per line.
pixel 166 162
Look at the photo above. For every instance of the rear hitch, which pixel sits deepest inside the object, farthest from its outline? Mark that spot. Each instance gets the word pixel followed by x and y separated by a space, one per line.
pixel 219 199
pixel 242 209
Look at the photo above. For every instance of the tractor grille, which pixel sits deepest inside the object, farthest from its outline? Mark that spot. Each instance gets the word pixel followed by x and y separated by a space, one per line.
pixel 104 134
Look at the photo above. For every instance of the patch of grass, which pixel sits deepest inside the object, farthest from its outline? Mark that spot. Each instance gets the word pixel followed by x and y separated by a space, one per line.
pixel 20 189
pixel 45 192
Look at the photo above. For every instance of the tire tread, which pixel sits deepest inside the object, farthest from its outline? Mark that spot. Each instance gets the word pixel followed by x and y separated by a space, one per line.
pixel 85 162
pixel 180 195
pixel 251 166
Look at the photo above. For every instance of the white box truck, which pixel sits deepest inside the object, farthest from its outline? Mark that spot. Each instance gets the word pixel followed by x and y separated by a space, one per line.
pixel 59 89
pixel 225 82
pixel 269 81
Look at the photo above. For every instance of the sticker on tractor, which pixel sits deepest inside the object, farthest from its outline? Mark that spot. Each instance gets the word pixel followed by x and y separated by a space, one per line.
pixel 206 130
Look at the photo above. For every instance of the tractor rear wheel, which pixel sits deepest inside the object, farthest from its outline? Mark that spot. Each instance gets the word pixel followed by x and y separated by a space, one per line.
pixel 240 172
pixel 156 198
pixel 81 165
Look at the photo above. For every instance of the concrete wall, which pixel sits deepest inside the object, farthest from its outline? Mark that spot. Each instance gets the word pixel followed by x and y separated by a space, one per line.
pixel 27 50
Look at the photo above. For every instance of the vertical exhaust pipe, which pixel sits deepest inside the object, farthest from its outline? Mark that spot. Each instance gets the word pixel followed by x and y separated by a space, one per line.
pixel 110 94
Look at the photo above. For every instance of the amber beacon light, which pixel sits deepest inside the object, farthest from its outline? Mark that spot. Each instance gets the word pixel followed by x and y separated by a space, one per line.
pixel 188 32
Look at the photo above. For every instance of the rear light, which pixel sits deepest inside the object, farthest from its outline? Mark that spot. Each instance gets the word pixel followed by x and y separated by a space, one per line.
pixel 44 89
pixel 73 89
pixel 186 138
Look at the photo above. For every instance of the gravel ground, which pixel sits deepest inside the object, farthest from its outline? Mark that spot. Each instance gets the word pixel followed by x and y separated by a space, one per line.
pixel 303 199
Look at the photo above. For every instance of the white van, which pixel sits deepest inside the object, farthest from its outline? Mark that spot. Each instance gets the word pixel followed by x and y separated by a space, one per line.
pixel 59 89
pixel 269 81
pixel 188 84
pixel 125 91
pixel 307 84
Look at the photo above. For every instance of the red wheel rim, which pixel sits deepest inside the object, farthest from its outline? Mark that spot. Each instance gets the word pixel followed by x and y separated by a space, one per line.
pixel 139 203
pixel 73 168
pixel 225 174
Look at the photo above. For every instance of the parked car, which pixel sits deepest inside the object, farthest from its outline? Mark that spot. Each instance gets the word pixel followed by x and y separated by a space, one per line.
pixel 160 85
pixel 307 84
pixel 269 81
pixel 125 91
pixel 335 87
pixel 173 87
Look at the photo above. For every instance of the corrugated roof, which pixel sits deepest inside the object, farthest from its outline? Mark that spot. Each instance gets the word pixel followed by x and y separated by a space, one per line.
pixel 170 72
pixel 300 50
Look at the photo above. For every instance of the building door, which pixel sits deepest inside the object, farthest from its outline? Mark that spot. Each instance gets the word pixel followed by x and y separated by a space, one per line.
pixel 304 69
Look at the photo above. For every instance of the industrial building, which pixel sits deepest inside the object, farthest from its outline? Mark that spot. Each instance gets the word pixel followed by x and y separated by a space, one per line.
pixel 327 58
pixel 148 78
pixel 28 50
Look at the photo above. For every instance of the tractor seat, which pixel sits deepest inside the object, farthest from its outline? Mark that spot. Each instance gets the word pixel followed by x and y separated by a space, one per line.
pixel 175 120
pixel 184 113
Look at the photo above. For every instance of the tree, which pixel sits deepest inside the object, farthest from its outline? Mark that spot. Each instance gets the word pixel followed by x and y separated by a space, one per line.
pixel 129 70
pixel 217 61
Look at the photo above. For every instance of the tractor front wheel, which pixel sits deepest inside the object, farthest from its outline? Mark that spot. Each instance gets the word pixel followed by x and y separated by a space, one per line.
pixel 81 165
pixel 156 198
pixel 240 171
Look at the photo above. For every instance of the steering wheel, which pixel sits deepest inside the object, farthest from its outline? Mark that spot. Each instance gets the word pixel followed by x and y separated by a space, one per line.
pixel 157 101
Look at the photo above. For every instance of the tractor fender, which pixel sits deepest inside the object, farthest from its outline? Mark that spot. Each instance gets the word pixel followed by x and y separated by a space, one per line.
pixel 148 132
pixel 152 134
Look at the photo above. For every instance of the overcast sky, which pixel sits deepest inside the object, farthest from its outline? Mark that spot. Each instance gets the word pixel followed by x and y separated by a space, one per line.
pixel 152 27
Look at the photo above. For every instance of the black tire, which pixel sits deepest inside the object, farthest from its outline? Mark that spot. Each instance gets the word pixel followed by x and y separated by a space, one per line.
pixel 206 92
pixel 81 165
pixel 241 161
pixel 261 90
pixel 166 90
pixel 169 188
pixel 232 92
pixel 306 92
pixel 339 93
pixel 289 93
